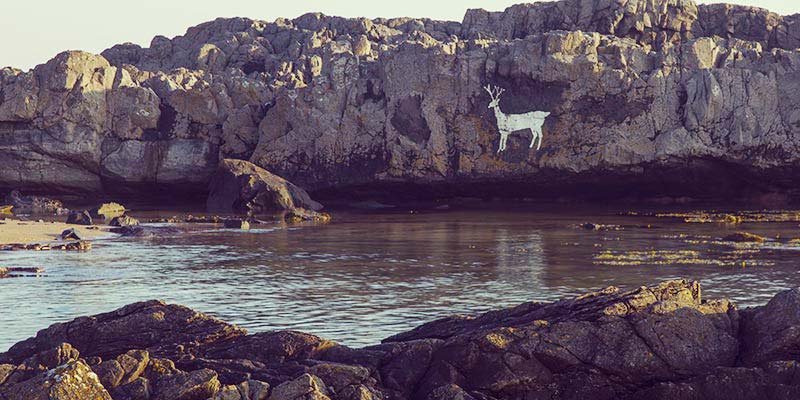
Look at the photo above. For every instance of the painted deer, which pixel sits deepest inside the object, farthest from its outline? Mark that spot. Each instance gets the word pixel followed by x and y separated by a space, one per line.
pixel 508 123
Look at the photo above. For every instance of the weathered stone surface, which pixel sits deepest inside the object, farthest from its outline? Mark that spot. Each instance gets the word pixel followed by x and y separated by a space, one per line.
pixel 71 381
pixel 247 390
pixel 305 387
pixel 662 341
pixel 242 187
pixel 154 326
pixel 125 369
pixel 772 332
pixel 638 90
pixel 200 384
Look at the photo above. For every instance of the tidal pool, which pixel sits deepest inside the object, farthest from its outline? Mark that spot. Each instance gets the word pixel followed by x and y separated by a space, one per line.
pixel 366 276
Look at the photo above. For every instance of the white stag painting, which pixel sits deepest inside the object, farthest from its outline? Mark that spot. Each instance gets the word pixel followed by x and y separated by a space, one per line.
pixel 508 123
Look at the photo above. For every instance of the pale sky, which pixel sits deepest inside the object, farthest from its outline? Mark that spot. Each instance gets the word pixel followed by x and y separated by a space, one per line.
pixel 33 31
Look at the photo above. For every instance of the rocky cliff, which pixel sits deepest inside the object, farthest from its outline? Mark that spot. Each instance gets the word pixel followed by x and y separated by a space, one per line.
pixel 658 342
pixel 656 95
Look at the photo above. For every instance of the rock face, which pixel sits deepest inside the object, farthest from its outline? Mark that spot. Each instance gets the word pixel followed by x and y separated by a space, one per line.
pixel 241 187
pixel 656 342
pixel 640 92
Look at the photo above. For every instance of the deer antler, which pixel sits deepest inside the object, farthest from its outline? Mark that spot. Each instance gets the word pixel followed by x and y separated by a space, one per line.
pixel 494 91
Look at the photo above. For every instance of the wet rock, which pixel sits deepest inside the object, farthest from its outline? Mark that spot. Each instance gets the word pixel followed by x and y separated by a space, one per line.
pixel 108 211
pixel 20 271
pixel 34 204
pixel 241 187
pixel 236 224
pixel 305 387
pixel 200 384
pixel 79 218
pixel 124 220
pixel 744 237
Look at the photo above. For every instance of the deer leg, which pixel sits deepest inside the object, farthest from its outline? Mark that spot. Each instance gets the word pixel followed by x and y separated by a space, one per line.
pixel 503 138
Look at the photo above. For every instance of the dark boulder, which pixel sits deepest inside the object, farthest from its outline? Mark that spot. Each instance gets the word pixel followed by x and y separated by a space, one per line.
pixel 242 187
pixel 162 329
pixel 79 218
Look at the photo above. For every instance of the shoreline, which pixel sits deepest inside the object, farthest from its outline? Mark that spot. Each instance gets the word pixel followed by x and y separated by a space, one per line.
pixel 661 341
pixel 15 231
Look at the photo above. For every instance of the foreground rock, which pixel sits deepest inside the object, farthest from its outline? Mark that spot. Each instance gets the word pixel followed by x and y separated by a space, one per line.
pixel 642 92
pixel 242 187
pixel 658 342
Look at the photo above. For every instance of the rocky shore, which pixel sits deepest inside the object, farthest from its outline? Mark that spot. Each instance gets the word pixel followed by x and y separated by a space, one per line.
pixel 666 96
pixel 656 342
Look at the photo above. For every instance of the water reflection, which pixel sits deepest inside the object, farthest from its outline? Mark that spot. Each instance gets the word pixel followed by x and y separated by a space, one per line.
pixel 363 278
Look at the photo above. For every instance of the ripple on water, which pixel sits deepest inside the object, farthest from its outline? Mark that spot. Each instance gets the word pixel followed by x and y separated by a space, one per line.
pixel 359 282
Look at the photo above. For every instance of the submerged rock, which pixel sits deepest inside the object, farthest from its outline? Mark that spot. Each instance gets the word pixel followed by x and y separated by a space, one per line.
pixel 744 237
pixel 241 187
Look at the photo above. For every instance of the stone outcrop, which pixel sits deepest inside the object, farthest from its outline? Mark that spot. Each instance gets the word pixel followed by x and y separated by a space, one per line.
pixel 662 341
pixel 642 92
pixel 241 187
